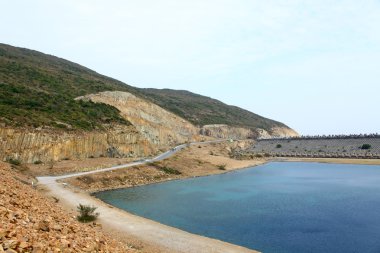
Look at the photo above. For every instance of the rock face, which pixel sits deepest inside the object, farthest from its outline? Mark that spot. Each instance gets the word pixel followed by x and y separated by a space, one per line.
pixel 47 145
pixel 276 132
pixel 228 132
pixel 283 132
pixel 158 126
pixel 153 129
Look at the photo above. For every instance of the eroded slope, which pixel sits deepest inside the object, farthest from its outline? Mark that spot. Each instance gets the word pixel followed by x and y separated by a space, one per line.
pixel 157 125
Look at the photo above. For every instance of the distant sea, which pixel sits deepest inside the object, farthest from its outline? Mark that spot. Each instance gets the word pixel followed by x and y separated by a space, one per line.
pixel 279 207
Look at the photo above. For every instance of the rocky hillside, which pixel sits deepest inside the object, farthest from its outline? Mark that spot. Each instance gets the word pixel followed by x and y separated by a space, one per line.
pixel 157 125
pixel 229 132
pixel 41 88
pixel 38 90
pixel 42 119
pixel 29 222
pixel 201 110
pixel 45 145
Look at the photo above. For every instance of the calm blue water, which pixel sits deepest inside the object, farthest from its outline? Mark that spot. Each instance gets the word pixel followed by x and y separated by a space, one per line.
pixel 274 208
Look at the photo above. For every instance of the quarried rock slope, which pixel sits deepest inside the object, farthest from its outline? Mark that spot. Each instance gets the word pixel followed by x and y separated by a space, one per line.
pixel 158 126
pixel 45 145
pixel 230 132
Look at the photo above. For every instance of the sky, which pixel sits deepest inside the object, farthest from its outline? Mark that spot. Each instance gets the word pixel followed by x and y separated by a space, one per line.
pixel 312 64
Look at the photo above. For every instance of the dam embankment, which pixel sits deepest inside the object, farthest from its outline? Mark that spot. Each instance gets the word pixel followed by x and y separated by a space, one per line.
pixel 365 148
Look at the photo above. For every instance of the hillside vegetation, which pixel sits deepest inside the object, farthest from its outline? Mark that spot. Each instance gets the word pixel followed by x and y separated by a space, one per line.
pixel 39 90
pixel 201 110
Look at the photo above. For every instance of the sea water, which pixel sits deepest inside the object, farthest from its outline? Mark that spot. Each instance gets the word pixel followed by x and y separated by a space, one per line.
pixel 274 208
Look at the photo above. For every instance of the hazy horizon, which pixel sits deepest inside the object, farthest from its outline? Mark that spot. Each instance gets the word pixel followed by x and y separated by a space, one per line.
pixel 311 65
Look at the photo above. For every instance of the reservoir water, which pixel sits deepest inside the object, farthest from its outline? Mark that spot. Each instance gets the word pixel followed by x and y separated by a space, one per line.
pixel 279 207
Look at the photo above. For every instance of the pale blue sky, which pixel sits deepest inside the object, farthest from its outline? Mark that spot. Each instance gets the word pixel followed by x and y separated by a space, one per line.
pixel 314 65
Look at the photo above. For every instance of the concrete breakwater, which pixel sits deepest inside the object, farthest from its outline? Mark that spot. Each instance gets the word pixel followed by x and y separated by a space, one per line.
pixel 319 148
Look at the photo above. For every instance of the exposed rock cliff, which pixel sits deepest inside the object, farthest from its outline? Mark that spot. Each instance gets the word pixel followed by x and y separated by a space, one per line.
pixel 47 145
pixel 283 132
pixel 152 129
pixel 158 126
pixel 276 132
pixel 228 132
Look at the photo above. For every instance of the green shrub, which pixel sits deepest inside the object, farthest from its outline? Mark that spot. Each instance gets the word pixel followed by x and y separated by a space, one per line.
pixel 14 161
pixel 86 213
pixel 38 162
pixel 279 146
pixel 221 166
pixel 366 146
pixel 168 170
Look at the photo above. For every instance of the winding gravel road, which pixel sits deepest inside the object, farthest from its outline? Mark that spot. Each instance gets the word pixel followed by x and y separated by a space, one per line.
pixel 167 154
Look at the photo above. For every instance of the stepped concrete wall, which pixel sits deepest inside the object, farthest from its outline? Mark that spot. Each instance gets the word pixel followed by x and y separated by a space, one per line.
pixel 345 148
